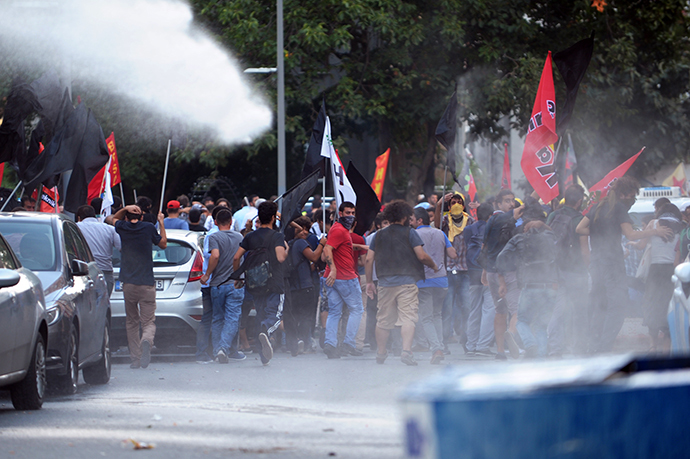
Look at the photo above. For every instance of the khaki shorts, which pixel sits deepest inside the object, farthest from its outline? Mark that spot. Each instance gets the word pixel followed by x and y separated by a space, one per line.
pixel 397 306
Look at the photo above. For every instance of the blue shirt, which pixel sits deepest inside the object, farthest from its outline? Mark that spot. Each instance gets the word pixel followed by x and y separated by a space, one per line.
pixel 175 223
pixel 440 282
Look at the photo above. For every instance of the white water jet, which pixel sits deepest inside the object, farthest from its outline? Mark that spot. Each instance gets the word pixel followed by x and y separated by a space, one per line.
pixel 146 50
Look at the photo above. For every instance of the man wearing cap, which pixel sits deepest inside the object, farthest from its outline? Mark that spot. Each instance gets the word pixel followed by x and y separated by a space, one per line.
pixel 173 221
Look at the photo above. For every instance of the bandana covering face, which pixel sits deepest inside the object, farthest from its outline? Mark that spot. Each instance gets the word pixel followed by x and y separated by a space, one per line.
pixel 457 221
pixel 347 221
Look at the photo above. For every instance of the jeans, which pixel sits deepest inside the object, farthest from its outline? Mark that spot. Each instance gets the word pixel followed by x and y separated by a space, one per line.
pixel 456 307
pixel 203 333
pixel 350 293
pixel 534 313
pixel 431 301
pixel 570 320
pixel 227 307
pixel 269 312
pixel 480 321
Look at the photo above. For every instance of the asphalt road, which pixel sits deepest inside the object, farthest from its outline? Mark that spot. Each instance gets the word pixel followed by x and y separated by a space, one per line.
pixel 297 407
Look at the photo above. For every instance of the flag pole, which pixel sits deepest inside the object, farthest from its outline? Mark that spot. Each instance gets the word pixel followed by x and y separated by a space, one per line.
pixel 10 196
pixel 443 195
pixel 165 176
pixel 122 193
pixel 323 203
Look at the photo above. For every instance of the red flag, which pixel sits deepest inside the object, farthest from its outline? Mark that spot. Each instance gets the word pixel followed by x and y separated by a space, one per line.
pixel 538 156
pixel 97 184
pixel 49 200
pixel 601 189
pixel 505 179
pixel 380 174
pixel 472 193
pixel 2 172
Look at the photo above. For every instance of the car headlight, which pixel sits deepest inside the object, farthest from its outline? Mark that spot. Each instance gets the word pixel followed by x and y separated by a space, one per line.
pixel 53 315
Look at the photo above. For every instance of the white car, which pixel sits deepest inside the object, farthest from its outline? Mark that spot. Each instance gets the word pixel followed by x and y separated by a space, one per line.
pixel 177 270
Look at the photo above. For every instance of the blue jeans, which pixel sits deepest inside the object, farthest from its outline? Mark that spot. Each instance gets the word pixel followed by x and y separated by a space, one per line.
pixel 350 293
pixel 456 307
pixel 534 313
pixel 203 333
pixel 227 308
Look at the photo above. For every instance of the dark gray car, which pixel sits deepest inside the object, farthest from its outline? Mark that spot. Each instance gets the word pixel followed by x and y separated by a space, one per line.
pixel 23 332
pixel 77 302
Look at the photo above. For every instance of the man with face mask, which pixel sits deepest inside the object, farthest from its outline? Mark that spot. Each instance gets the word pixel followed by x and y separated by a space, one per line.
pixel 342 284
pixel 605 223
pixel 457 302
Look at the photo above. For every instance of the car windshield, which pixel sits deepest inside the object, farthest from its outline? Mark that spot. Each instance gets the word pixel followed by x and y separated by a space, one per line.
pixel 32 241
pixel 175 254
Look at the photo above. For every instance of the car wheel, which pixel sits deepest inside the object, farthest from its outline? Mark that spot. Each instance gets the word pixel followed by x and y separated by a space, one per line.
pixel 67 383
pixel 99 373
pixel 28 393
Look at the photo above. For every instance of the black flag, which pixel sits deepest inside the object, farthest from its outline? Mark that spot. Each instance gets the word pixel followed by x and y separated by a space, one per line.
pixel 93 155
pixel 295 198
pixel 368 204
pixel 446 130
pixel 314 160
pixel 572 63
pixel 20 103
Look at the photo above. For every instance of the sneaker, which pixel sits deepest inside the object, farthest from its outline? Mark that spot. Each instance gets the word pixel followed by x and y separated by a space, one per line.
pixel 352 351
pixel 331 352
pixel 135 365
pixel 381 358
pixel 222 357
pixel 300 347
pixel 266 348
pixel 237 356
pixel 446 351
pixel 469 353
pixel 145 354
pixel 512 345
pixel 204 361
pixel 437 358
pixel 485 352
pixel 501 356
pixel 407 358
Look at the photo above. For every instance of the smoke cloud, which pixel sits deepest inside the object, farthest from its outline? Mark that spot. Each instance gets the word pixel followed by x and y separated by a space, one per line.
pixel 146 50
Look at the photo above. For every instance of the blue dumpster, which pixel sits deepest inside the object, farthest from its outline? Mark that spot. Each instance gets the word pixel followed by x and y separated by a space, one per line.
pixel 603 407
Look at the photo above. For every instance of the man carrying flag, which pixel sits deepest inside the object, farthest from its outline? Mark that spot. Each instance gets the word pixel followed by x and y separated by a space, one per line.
pixel 538 155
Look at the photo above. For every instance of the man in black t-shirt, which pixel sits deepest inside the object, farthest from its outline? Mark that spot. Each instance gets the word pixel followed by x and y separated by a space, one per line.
pixel 136 277
pixel 268 301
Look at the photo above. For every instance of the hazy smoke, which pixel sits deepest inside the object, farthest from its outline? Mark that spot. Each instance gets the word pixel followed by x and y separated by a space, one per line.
pixel 146 50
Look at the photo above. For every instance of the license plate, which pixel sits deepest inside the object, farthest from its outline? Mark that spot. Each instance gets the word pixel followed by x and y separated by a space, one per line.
pixel 159 285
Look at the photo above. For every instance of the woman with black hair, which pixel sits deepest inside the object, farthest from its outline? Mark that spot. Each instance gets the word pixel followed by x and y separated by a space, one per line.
pixel 605 224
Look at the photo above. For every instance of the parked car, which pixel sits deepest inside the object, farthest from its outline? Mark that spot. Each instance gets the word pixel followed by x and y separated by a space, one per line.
pixel 23 332
pixel 76 295
pixel 644 203
pixel 177 270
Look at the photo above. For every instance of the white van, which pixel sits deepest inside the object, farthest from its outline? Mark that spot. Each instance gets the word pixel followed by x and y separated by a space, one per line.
pixel 644 205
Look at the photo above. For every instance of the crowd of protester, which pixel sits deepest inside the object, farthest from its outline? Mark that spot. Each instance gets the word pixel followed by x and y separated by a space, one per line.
pixel 502 278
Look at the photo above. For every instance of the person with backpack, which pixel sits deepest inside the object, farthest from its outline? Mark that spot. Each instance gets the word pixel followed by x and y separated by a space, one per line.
pixel 265 251
pixel 503 286
pixel 569 322
pixel 605 224
pixel 226 300
pixel 533 252
pixel 342 284
pixel 480 318
pixel 301 311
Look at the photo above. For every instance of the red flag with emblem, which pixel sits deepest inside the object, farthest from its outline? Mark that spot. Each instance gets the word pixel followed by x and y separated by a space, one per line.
pixel 538 157
pixel 96 186
pixel 601 189
pixel 380 174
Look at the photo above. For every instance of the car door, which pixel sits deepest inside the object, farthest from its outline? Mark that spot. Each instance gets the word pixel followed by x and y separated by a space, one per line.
pixel 95 297
pixel 79 288
pixel 15 335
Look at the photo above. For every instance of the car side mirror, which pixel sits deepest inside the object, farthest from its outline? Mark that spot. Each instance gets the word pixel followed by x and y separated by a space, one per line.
pixel 79 268
pixel 8 278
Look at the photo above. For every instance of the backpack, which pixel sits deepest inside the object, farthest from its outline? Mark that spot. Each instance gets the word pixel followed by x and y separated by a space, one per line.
pixel 257 267
pixel 567 240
